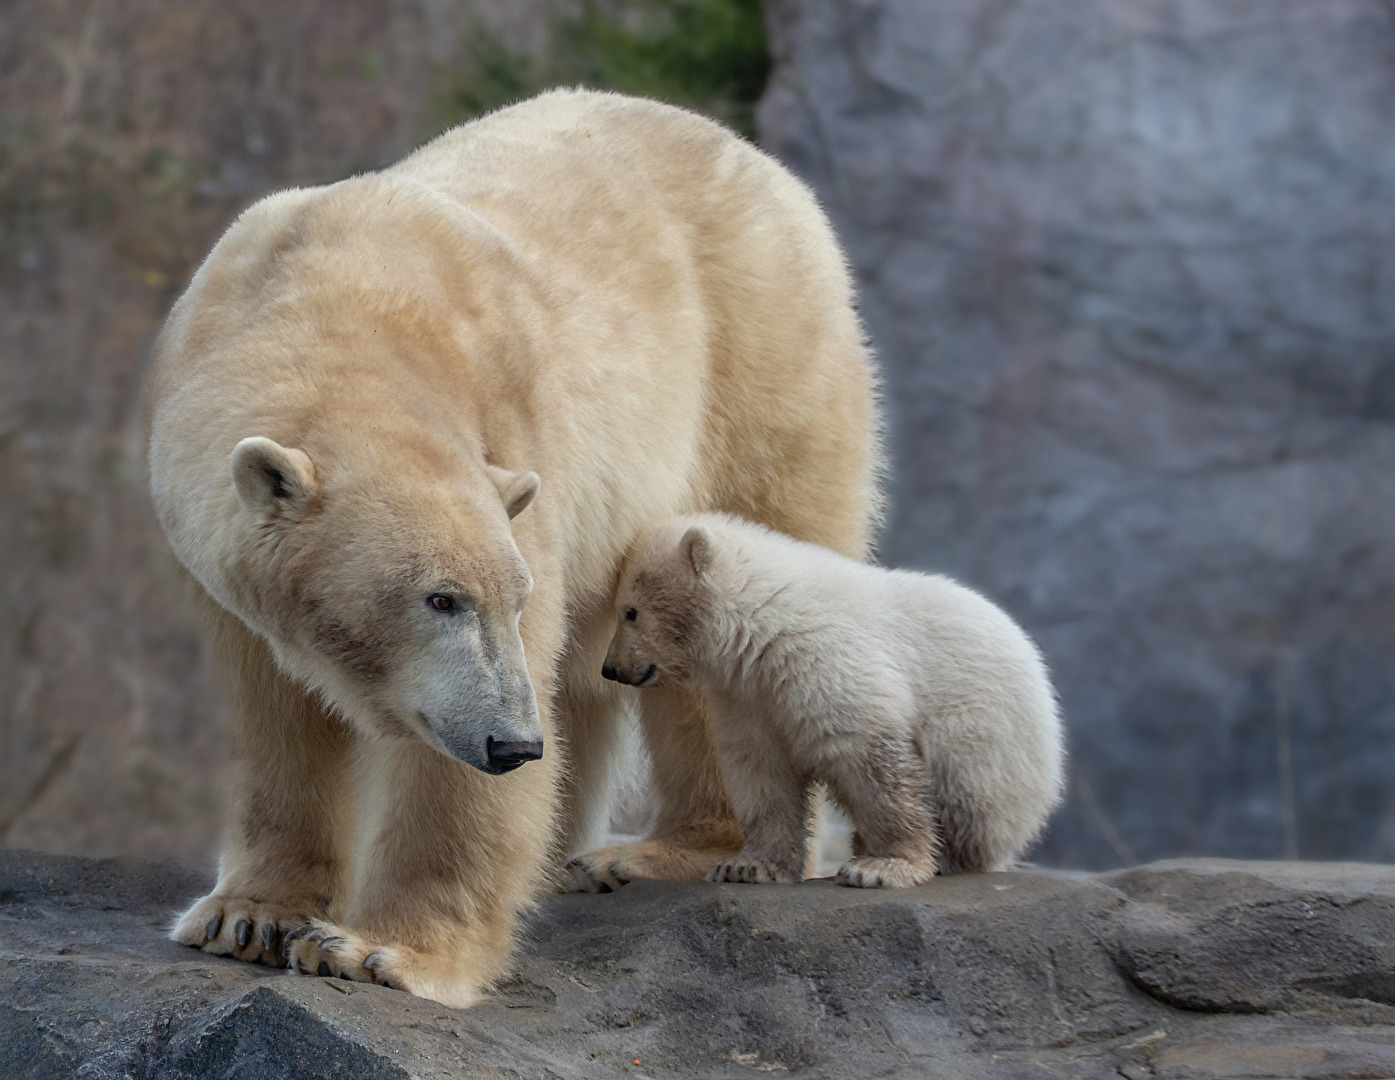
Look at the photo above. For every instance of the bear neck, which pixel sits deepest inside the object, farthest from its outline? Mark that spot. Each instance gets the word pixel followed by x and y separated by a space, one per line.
pixel 750 622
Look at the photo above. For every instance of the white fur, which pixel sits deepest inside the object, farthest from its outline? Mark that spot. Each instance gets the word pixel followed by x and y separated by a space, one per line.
pixel 349 410
pixel 896 689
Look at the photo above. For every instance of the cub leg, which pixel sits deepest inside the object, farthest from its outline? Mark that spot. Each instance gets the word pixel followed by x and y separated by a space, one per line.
pixel 284 857
pixel 896 839
pixel 694 827
pixel 772 802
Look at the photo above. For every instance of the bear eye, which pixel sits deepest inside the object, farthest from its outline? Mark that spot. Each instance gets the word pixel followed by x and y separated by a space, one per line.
pixel 441 602
pixel 631 614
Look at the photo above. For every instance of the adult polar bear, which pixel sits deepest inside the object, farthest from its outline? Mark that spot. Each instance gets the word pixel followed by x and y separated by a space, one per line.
pixel 346 410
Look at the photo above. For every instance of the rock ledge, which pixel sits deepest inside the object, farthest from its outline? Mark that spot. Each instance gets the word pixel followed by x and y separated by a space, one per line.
pixel 1189 968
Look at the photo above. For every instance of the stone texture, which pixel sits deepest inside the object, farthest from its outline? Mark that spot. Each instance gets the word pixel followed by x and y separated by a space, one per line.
pixel 1130 268
pixel 1187 940
pixel 1186 969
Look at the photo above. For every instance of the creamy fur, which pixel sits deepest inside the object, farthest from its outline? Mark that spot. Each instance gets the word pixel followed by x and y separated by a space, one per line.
pixel 924 709
pixel 344 409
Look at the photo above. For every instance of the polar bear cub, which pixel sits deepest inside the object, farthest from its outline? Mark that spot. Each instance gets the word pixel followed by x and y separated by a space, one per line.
pixel 925 711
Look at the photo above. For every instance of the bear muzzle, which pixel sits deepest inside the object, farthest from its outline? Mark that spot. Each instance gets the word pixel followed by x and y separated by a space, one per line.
pixel 495 733
pixel 630 677
pixel 505 756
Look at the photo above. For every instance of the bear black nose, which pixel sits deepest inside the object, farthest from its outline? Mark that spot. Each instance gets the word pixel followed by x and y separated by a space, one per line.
pixel 507 756
pixel 608 672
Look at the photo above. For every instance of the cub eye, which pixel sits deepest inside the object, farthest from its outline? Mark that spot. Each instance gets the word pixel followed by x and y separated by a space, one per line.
pixel 631 614
pixel 441 602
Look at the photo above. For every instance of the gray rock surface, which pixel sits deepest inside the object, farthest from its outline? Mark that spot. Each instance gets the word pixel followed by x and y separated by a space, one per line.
pixel 1130 268
pixel 1187 969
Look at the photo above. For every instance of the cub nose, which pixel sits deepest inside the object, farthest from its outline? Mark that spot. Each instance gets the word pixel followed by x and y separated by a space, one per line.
pixel 608 672
pixel 507 756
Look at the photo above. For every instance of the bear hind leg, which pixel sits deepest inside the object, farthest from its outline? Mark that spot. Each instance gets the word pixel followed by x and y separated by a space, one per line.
pixel 597 728
pixel 694 827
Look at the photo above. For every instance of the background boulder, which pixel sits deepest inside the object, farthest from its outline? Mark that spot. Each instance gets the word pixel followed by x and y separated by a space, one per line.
pixel 1130 269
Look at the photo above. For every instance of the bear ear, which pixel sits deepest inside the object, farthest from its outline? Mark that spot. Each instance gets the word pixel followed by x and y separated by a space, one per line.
pixel 270 476
pixel 696 547
pixel 516 489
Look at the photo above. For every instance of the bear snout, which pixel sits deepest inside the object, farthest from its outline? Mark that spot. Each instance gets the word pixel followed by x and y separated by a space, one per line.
pixel 508 755
pixel 631 677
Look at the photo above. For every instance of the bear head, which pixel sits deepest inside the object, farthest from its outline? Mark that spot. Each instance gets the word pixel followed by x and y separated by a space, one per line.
pixel 396 597
pixel 663 607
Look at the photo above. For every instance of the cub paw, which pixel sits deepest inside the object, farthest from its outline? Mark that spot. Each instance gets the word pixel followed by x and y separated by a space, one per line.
pixel 869 872
pixel 321 948
pixel 607 869
pixel 752 871
pixel 241 927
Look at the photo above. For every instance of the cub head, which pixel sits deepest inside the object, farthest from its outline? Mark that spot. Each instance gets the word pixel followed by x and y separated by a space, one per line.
pixel 662 607
pixel 397 597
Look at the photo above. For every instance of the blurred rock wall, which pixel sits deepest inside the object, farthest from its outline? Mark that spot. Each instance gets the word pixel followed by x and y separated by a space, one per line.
pixel 130 135
pixel 1130 269
pixel 1128 264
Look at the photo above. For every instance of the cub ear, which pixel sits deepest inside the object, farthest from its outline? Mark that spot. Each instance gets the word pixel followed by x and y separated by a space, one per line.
pixel 269 476
pixel 696 547
pixel 516 489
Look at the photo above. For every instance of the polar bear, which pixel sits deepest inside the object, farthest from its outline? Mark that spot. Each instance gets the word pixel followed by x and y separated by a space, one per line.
pixel 925 711
pixel 401 430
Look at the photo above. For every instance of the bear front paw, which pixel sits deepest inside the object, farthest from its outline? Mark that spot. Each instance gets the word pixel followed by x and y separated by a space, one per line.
pixel 242 927
pixel 321 948
pixel 753 871
pixel 593 874
pixel 608 869
pixel 870 872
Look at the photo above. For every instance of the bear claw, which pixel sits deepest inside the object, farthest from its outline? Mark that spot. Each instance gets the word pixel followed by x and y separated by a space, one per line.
pixel 240 927
pixel 871 872
pixel 749 871
pixel 327 950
